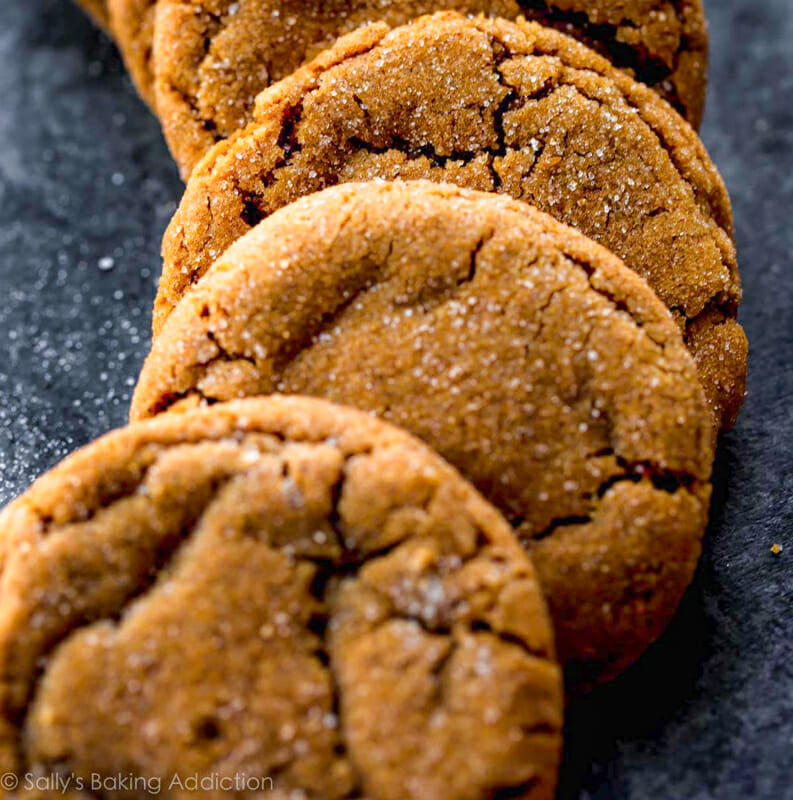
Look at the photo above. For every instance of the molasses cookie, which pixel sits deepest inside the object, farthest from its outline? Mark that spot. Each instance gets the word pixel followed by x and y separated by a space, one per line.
pixel 281 593
pixel 97 9
pixel 212 57
pixel 132 23
pixel 531 358
pixel 509 107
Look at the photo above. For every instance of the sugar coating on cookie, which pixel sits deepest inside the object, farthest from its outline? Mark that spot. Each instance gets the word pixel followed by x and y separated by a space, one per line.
pixel 213 56
pixel 547 372
pixel 274 590
pixel 132 23
pixel 493 105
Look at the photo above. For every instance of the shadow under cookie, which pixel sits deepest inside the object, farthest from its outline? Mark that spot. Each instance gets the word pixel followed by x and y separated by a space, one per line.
pixel 547 372
pixel 493 105
pixel 282 594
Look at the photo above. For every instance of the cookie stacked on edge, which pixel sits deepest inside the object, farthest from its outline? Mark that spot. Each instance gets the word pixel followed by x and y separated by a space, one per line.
pixel 488 237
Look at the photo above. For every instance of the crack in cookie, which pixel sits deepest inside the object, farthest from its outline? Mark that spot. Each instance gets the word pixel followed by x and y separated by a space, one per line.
pixel 525 354
pixel 213 56
pixel 278 588
pixel 512 108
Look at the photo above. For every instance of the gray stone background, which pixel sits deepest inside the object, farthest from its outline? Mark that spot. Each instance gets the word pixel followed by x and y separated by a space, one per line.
pixel 86 190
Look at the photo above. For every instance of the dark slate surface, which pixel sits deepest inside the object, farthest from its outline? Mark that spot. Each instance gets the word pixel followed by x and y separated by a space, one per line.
pixel 86 189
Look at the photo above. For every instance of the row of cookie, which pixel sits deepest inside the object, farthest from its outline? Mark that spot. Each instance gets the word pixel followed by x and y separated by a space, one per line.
pixel 530 113
pixel 201 63
pixel 507 107
pixel 290 591
pixel 533 359
pixel 510 107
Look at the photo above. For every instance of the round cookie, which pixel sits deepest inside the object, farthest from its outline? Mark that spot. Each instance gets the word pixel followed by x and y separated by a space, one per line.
pixel 97 9
pixel 212 57
pixel 132 23
pixel 534 361
pixel 499 106
pixel 280 591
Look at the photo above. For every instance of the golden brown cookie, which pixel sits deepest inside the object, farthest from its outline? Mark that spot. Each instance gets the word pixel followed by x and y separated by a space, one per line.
pixel 132 23
pixel 213 56
pixel 274 590
pixel 540 366
pixel 97 9
pixel 498 106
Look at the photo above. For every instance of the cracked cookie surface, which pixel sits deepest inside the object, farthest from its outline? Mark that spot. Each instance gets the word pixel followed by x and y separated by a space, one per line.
pixel 281 589
pixel 547 372
pixel 212 57
pixel 498 106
